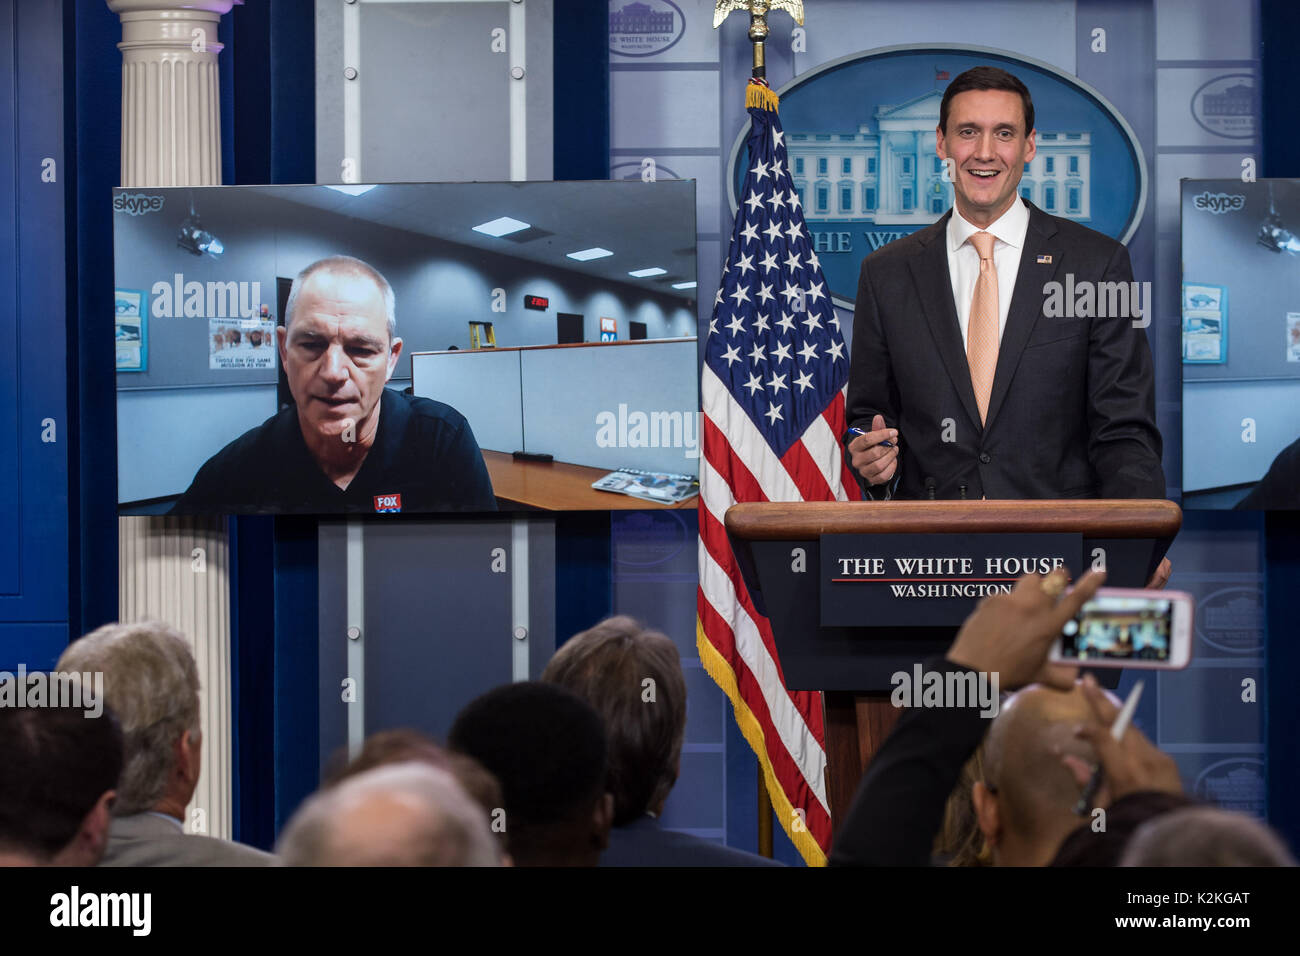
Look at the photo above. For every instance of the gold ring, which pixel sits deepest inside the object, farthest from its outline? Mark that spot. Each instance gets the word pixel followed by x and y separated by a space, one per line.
pixel 1053 585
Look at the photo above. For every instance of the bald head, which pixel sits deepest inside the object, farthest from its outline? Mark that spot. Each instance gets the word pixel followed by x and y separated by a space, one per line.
pixel 1205 836
pixel 401 815
pixel 1023 769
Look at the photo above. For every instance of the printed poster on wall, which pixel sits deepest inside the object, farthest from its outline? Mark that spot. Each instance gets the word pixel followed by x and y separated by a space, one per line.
pixel 1205 320
pixel 130 329
pixel 241 343
pixel 1293 336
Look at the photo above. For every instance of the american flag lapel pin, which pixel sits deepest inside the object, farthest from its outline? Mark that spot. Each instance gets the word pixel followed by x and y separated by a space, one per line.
pixel 1044 260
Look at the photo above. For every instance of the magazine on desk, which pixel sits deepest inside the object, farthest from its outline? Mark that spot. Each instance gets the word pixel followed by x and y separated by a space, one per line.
pixel 659 486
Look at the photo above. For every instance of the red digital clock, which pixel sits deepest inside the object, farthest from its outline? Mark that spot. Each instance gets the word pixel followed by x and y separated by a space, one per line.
pixel 536 302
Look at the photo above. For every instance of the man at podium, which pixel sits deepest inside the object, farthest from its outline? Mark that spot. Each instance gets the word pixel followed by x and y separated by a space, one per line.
pixel 965 382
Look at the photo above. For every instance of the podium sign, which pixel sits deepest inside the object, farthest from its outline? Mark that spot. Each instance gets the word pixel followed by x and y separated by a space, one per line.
pixel 908 580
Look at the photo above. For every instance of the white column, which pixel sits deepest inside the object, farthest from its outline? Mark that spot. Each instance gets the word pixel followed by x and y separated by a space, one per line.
pixel 171 110
pixel 177 569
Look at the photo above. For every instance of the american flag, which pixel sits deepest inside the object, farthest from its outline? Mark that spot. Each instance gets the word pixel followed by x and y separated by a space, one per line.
pixel 772 390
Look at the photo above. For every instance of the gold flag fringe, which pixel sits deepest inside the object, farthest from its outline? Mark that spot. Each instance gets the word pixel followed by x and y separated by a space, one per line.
pixel 761 97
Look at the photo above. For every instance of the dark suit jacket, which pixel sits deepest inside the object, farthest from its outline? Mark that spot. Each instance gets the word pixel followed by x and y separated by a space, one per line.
pixel 644 842
pixel 899 806
pixel 1072 413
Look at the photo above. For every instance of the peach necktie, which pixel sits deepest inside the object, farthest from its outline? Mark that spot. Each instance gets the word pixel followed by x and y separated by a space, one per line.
pixel 982 326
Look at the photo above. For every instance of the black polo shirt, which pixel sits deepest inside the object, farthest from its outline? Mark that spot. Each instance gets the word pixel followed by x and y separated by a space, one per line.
pixel 1279 489
pixel 424 459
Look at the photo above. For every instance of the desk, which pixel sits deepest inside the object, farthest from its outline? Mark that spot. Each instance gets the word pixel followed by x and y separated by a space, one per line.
pixel 558 486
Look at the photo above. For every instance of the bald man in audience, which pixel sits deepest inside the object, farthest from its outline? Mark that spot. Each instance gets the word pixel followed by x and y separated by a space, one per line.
pixel 407 814
pixel 1205 836
pixel 152 684
pixel 1025 803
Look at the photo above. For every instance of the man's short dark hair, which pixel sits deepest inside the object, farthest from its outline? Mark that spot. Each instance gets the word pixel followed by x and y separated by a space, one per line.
pixel 545 745
pixel 57 764
pixel 986 78
pixel 607 666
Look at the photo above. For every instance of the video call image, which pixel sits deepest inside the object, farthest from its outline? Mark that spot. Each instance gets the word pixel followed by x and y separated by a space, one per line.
pixel 1127 628
pixel 1240 314
pixel 406 348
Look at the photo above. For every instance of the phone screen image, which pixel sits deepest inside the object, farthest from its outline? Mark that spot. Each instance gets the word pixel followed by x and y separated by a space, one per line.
pixel 1123 628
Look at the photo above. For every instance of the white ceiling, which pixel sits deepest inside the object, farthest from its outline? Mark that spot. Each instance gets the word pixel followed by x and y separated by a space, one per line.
pixel 643 224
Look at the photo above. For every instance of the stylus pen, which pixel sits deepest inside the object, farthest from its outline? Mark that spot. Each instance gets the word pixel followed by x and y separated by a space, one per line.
pixel 1116 732
pixel 884 443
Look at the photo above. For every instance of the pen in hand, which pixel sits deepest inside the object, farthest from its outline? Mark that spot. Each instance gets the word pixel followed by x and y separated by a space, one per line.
pixel 1116 732
pixel 884 443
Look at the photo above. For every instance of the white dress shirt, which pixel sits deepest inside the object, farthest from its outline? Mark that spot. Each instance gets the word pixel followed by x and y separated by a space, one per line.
pixel 964 261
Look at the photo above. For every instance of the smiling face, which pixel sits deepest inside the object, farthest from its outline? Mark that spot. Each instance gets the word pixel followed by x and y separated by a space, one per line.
pixel 337 355
pixel 987 141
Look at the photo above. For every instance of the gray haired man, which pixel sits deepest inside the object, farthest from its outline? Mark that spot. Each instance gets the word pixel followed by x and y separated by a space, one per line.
pixel 152 685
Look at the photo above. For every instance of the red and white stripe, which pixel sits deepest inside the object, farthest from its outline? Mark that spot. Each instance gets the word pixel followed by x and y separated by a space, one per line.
pixel 739 465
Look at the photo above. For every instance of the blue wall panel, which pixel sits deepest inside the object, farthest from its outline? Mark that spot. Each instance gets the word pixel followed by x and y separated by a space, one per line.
pixel 34 430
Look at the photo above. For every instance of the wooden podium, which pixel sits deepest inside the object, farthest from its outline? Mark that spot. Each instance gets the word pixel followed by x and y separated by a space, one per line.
pixel 852 665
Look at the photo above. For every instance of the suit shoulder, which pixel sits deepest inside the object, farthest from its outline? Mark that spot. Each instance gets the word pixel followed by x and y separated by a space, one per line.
pixel 907 246
pixel 1080 236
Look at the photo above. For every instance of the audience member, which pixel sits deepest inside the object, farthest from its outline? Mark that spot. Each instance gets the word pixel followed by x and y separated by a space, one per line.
pixel 1090 845
pixel 900 802
pixel 402 814
pixel 960 841
pixel 401 745
pixel 152 684
pixel 633 678
pixel 60 770
pixel 1025 803
pixel 547 747
pixel 1205 836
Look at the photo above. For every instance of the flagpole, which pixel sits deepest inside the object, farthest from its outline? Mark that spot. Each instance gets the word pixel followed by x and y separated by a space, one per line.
pixel 758 34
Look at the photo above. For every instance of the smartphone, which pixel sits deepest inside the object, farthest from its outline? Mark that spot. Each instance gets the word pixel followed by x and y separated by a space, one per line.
pixel 1129 627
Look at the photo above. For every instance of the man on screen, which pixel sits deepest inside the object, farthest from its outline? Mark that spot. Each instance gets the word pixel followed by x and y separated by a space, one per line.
pixel 964 382
pixel 348 443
